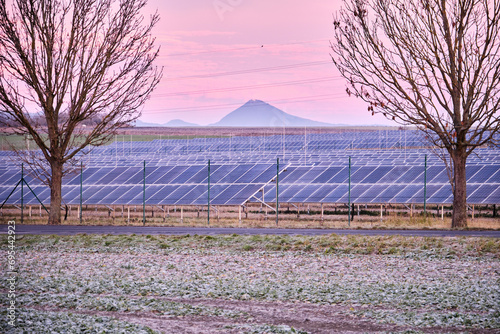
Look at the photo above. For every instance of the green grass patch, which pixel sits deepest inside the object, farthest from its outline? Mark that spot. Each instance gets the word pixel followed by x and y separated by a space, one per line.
pixel 329 244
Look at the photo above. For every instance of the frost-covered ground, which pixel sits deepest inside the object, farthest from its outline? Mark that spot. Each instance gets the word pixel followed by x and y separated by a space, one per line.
pixel 254 284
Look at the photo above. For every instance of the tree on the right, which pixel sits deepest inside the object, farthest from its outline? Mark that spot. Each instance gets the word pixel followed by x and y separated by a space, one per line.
pixel 434 64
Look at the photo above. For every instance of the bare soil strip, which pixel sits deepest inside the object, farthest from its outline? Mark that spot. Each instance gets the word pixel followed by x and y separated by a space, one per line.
pixel 301 316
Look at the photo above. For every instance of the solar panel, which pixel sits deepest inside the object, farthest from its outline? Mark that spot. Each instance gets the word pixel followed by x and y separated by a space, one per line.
pixel 374 194
pixel 358 174
pixel 390 194
pixel 393 173
pixel 154 175
pixel 226 195
pixel 407 195
pixel 325 175
pixel 304 194
pixel 485 174
pixel 492 198
pixel 321 192
pixel 481 194
pixel 117 196
pixel 263 174
pixel 441 195
pixel 133 175
pixel 242 196
pixel 375 174
pixel 288 191
pixel 436 174
pixel 413 175
pixel 188 173
pixel 96 194
pixel 192 195
pixel 336 194
pixel 132 196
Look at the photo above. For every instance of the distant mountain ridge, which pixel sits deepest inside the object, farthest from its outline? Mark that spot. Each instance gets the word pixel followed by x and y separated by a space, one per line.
pixel 173 124
pixel 140 124
pixel 179 122
pixel 257 113
pixel 254 113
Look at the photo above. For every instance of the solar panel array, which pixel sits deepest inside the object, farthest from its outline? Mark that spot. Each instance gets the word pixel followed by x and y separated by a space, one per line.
pixel 262 146
pixel 165 185
pixel 387 167
pixel 382 184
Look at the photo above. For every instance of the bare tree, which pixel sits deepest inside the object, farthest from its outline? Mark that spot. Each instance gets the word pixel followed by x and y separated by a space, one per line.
pixel 431 63
pixel 65 62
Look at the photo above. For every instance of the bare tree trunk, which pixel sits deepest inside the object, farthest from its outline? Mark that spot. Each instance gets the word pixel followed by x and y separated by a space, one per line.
pixel 459 219
pixel 55 193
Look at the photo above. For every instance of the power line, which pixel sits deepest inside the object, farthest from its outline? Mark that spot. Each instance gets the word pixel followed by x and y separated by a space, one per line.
pixel 230 89
pixel 266 46
pixel 213 51
pixel 255 70
pixel 219 106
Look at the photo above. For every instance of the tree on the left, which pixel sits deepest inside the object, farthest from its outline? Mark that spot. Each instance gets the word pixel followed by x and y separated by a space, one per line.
pixel 72 72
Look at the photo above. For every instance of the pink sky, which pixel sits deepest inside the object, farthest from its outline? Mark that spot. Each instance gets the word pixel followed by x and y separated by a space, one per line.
pixel 218 54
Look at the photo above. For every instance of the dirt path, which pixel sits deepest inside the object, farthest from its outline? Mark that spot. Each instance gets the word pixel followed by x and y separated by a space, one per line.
pixel 307 317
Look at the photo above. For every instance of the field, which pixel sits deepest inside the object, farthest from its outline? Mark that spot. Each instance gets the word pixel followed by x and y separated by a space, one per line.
pixel 254 284
pixel 8 139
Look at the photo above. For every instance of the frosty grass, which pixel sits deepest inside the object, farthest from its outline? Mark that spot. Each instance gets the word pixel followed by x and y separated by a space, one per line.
pixel 450 282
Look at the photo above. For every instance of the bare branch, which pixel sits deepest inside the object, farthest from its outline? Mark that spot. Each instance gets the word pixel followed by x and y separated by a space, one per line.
pixel 431 63
pixel 66 63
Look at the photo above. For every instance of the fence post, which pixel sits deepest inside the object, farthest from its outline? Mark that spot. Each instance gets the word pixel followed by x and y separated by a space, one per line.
pixel 208 211
pixel 349 213
pixel 81 192
pixel 425 187
pixel 144 195
pixel 277 189
pixel 22 193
